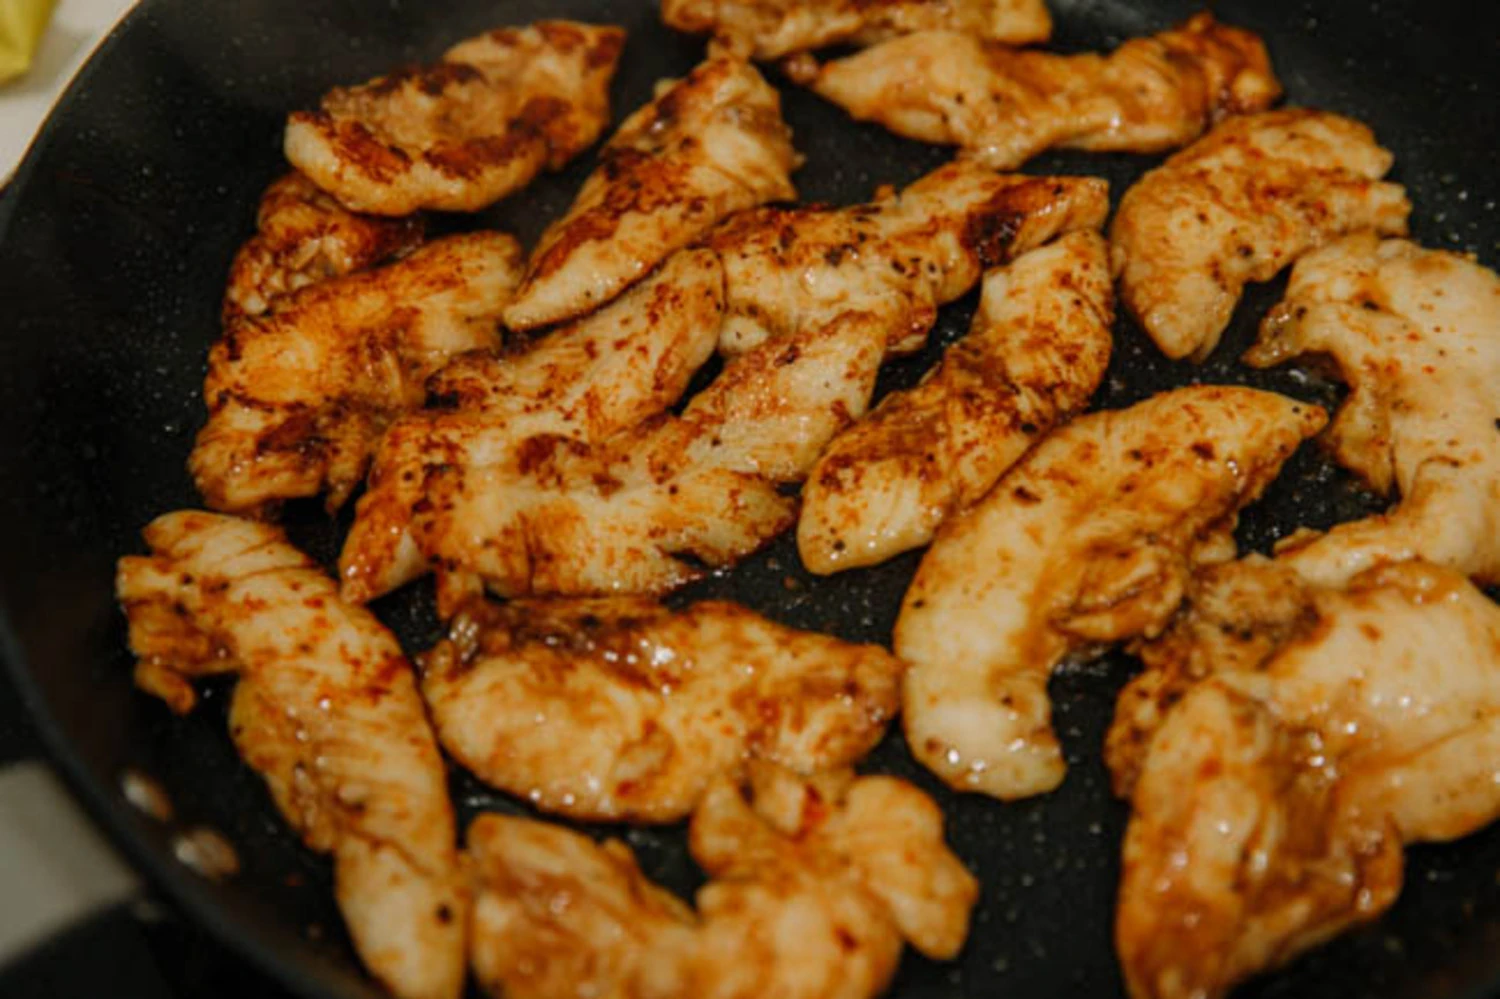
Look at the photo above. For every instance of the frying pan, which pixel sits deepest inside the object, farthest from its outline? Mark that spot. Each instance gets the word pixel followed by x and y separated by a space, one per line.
pixel 114 243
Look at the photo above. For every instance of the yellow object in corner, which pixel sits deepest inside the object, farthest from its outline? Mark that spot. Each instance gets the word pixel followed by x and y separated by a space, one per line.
pixel 22 23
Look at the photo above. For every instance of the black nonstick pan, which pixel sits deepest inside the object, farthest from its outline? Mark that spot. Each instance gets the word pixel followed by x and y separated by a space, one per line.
pixel 114 242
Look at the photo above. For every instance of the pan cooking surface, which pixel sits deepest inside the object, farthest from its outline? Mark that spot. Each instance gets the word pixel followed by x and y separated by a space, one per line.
pixel 114 244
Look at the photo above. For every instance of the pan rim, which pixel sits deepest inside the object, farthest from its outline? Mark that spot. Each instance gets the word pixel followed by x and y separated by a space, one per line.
pixel 108 811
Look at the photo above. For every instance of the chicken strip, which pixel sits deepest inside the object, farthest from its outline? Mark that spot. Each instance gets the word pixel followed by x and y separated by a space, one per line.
pixel 1390 692
pixel 1037 350
pixel 1090 539
pixel 465 132
pixel 302 237
pixel 1416 334
pixel 327 711
pixel 1240 852
pixel 706 147
pixel 1234 617
pixel 1004 106
pixel 770 29
pixel 298 398
pixel 622 710
pixel 815 299
pixel 1237 206
pixel 814 887
pixel 581 383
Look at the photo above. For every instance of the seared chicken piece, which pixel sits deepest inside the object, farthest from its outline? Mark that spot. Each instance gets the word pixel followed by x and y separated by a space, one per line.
pixel 1416 334
pixel 302 237
pixel 816 300
pixel 298 398
pixel 326 710
pixel 1004 106
pixel 1239 205
pixel 622 710
pixel 582 383
pixel 770 29
pixel 1376 721
pixel 1240 852
pixel 465 132
pixel 556 914
pixel 1090 539
pixel 814 887
pixel 708 146
pixel 1234 617
pixel 1037 350
pixel 895 260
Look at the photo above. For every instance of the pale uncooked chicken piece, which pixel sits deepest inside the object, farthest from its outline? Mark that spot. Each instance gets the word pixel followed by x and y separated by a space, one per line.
pixel 1416 335
pixel 1376 722
pixel 1090 539
pixel 1237 206
pixel 1003 106
pixel 298 398
pixel 708 146
pixel 770 29
pixel 814 887
pixel 1037 350
pixel 303 236
pixel 579 384
pixel 464 132
pixel 327 711
pixel 816 299
pixel 622 710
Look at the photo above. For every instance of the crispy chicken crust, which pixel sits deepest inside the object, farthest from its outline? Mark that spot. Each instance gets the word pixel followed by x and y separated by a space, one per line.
pixel 1089 540
pixel 465 132
pixel 1037 350
pixel 814 887
pixel 327 711
pixel 298 398
pixel 303 237
pixel 1003 106
pixel 770 29
pixel 708 146
pixel 1273 797
pixel 1416 335
pixel 1237 206
pixel 622 710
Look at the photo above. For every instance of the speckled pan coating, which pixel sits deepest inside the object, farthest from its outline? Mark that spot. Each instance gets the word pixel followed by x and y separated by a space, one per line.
pixel 114 244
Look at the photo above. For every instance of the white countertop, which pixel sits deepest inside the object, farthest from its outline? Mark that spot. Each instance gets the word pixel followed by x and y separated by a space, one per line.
pixel 77 28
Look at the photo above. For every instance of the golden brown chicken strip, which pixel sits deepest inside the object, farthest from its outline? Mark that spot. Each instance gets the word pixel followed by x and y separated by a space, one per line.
pixel 814 888
pixel 581 383
pixel 1090 539
pixel 770 29
pixel 303 236
pixel 1235 616
pixel 1037 350
pixel 1273 798
pixel 1240 852
pixel 708 146
pixel 816 299
pixel 1004 106
pixel 1237 206
pixel 298 398
pixel 327 711
pixel 465 132
pixel 1416 334
pixel 622 710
